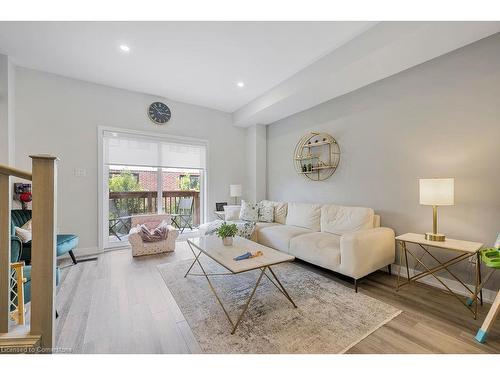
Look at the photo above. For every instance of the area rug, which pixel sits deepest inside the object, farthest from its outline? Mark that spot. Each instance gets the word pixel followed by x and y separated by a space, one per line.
pixel 329 318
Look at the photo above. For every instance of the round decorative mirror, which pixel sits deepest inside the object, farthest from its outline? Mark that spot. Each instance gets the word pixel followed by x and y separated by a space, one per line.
pixel 316 156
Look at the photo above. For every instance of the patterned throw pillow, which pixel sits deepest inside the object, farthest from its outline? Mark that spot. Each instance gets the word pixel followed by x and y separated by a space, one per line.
pixel 156 234
pixel 245 228
pixel 266 211
pixel 249 211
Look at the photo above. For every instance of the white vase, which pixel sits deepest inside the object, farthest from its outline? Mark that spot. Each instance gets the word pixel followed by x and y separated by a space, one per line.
pixel 227 241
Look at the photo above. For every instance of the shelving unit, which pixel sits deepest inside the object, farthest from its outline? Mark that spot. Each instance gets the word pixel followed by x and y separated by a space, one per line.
pixel 317 156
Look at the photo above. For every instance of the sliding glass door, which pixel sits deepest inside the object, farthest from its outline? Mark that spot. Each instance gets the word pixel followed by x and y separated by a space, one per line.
pixel 143 175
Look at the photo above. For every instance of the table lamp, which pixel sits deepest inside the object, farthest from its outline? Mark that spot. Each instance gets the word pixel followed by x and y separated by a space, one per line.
pixel 436 192
pixel 235 192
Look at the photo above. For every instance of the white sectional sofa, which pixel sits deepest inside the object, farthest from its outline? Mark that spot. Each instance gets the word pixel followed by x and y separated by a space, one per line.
pixel 347 240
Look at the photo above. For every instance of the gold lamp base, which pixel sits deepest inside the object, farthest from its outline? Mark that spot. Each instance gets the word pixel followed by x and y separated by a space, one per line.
pixel 435 237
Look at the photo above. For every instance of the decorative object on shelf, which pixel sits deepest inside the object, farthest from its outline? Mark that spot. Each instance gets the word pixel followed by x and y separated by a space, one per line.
pixel 22 193
pixel 159 113
pixel 317 156
pixel 436 192
pixel 227 232
pixel 235 192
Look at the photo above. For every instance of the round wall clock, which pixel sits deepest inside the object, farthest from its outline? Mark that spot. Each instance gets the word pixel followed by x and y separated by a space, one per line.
pixel 159 113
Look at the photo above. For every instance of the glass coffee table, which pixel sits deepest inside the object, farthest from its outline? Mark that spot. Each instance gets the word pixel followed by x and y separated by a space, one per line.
pixel 212 247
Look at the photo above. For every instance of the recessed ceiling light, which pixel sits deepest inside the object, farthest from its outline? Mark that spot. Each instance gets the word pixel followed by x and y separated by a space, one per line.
pixel 240 84
pixel 124 48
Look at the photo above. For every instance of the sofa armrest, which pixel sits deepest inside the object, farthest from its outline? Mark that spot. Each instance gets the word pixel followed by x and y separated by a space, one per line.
pixel 365 251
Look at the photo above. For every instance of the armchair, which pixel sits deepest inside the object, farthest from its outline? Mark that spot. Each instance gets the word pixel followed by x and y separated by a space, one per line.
pixel 139 247
pixel 66 243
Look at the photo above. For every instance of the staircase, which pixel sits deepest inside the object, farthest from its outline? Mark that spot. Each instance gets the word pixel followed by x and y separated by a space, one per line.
pixel 38 336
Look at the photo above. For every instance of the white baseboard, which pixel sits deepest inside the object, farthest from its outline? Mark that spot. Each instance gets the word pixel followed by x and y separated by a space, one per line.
pixel 488 294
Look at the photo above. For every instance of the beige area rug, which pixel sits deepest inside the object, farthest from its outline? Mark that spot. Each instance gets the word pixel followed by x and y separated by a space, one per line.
pixel 329 318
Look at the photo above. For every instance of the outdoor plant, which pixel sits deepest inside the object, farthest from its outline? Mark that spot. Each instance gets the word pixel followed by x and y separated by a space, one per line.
pixel 227 230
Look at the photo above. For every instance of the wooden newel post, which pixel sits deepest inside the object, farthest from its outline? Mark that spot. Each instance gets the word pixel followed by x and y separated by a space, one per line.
pixel 5 199
pixel 43 253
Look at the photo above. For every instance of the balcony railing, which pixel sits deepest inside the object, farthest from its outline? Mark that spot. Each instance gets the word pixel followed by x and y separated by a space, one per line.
pixel 123 205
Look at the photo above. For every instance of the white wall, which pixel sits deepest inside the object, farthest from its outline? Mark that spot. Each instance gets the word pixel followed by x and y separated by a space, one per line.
pixel 60 116
pixel 439 119
pixel 7 91
pixel 255 188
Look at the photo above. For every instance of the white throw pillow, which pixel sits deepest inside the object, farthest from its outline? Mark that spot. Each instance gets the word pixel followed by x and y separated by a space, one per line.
pixel 249 211
pixel 232 213
pixel 266 211
pixel 306 215
pixel 27 225
pixel 23 234
pixel 342 219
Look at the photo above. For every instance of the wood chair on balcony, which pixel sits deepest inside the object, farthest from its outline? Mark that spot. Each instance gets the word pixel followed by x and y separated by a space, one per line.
pixel 183 216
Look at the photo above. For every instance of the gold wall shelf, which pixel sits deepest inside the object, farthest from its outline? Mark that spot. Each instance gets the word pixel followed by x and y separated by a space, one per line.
pixel 316 156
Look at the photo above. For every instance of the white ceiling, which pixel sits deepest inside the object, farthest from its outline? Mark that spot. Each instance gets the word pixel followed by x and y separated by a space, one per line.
pixel 193 62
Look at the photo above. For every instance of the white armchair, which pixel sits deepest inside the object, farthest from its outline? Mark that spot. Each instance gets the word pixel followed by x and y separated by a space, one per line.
pixel 139 247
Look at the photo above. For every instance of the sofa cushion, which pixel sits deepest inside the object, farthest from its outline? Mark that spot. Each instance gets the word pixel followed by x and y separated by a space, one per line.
pixel 278 236
pixel 320 248
pixel 306 215
pixel 258 226
pixel 342 219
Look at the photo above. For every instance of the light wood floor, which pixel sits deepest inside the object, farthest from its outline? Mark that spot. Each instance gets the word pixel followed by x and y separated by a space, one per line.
pixel 120 304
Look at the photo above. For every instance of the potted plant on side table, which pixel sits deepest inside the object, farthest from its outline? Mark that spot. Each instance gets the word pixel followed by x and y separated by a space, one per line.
pixel 227 232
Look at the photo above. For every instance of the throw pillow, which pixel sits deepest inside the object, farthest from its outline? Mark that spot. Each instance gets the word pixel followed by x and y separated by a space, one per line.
pixel 232 212
pixel 27 225
pixel 151 225
pixel 23 234
pixel 249 211
pixel 159 233
pixel 266 211
pixel 245 229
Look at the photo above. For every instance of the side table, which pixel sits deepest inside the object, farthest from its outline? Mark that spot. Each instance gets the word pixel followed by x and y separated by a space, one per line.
pixel 220 214
pixel 463 250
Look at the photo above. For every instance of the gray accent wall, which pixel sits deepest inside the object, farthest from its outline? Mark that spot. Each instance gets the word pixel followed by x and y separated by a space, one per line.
pixel 438 119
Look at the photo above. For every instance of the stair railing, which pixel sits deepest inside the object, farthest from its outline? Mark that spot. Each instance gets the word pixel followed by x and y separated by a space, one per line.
pixel 43 254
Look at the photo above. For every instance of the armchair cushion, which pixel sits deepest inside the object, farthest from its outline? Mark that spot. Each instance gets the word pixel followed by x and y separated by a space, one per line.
pixel 66 242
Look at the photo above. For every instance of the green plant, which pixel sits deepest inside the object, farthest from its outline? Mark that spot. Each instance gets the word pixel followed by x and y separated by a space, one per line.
pixel 227 230
pixel 188 182
pixel 125 181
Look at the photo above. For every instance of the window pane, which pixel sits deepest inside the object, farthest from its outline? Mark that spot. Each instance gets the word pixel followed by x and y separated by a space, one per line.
pixel 132 191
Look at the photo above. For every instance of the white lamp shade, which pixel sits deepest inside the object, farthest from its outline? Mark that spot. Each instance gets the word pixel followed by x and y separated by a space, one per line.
pixel 437 191
pixel 235 190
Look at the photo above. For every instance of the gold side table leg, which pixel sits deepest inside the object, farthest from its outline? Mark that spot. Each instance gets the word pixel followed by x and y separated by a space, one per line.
pixel 406 262
pixel 399 265
pixel 479 279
